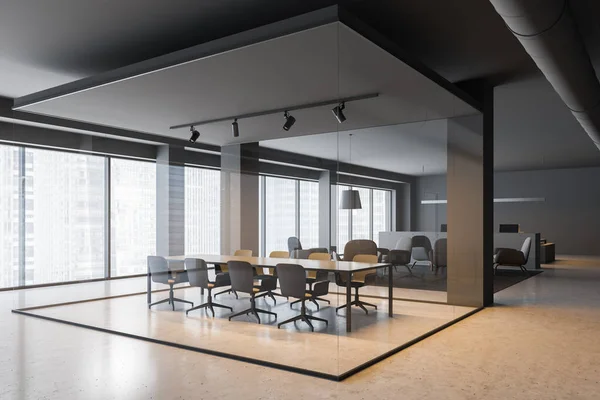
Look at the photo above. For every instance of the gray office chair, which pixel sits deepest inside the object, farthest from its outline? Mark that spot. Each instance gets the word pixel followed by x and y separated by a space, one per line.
pixel 292 280
pixel 159 271
pixel 241 274
pixel 223 268
pixel 293 245
pixel 421 250
pixel 401 254
pixel 359 246
pixel 198 276
pixel 313 277
pixel 513 257
pixel 440 254
pixel 359 251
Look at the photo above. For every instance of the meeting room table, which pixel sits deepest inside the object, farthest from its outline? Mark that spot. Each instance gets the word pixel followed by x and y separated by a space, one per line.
pixel 339 267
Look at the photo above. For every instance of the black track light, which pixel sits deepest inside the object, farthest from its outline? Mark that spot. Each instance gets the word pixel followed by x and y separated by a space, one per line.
pixel 289 121
pixel 235 129
pixel 338 112
pixel 195 135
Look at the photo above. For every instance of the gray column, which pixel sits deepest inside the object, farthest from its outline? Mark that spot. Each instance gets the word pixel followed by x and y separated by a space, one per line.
pixel 170 201
pixel 239 198
pixel 466 199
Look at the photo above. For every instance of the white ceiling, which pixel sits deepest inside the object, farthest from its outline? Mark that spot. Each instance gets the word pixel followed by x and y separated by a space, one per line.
pixel 290 70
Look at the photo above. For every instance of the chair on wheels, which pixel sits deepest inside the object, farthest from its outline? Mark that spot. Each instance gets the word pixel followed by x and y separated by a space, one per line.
pixel 440 254
pixel 313 277
pixel 513 257
pixel 359 279
pixel 223 268
pixel 241 274
pixel 421 250
pixel 292 278
pixel 159 271
pixel 198 275
pixel 401 254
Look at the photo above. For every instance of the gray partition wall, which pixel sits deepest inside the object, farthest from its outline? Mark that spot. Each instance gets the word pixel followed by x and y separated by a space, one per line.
pixel 239 198
pixel 466 219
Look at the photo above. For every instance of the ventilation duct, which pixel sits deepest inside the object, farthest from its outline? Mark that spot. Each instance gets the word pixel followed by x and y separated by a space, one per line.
pixel 548 33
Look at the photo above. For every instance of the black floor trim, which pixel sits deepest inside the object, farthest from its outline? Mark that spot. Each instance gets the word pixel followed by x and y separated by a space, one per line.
pixel 302 371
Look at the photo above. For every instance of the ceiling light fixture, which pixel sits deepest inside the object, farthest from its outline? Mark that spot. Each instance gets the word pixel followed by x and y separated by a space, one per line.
pixel 234 128
pixel 340 102
pixel 195 134
pixel 289 121
pixel 338 112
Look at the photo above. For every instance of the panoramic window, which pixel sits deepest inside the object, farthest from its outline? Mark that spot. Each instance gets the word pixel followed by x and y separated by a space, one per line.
pixel 367 222
pixel 291 208
pixel 64 216
pixel 202 211
pixel 10 205
pixel 133 215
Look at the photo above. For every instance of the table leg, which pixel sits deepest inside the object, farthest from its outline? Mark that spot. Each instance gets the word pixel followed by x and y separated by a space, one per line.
pixel 348 301
pixel 149 288
pixel 391 291
pixel 202 291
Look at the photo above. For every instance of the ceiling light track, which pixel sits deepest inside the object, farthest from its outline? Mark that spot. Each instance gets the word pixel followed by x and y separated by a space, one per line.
pixel 279 110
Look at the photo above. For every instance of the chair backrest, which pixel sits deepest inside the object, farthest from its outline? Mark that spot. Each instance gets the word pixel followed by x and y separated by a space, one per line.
pixel 364 258
pixel 405 243
pixel 421 242
pixel 361 246
pixel 292 280
pixel 279 254
pixel 243 253
pixel 241 274
pixel 319 256
pixel 197 272
pixel 275 254
pixel 294 244
pixel 440 253
pixel 158 268
pixel 526 248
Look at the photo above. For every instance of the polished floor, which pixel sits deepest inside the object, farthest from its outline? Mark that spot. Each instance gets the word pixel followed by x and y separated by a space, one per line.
pixel 329 350
pixel 539 342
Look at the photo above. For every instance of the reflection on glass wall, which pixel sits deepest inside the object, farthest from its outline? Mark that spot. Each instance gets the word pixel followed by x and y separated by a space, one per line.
pixel 64 216
pixel 133 215
pixel 202 211
pixel 9 215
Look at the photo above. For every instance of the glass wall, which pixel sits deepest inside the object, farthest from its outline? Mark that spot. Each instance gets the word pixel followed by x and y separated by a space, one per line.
pixel 291 208
pixel 133 215
pixel 202 211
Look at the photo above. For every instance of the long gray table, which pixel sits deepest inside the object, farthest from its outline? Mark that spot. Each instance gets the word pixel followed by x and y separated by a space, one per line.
pixel 342 267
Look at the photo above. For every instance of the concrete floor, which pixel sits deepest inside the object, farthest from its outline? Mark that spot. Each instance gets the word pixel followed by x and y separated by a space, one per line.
pixel 328 350
pixel 539 342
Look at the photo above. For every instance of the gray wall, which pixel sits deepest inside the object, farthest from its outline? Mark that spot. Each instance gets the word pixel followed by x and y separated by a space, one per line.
pixel 569 216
